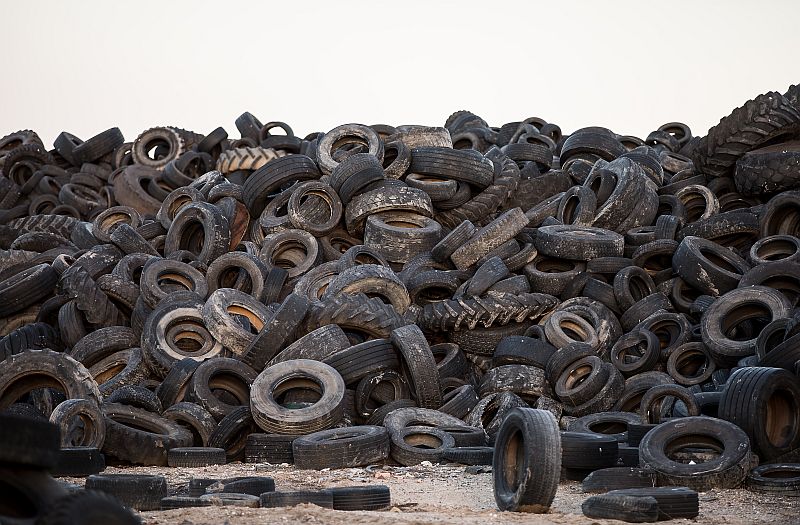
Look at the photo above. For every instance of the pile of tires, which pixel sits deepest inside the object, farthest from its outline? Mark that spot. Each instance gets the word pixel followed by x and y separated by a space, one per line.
pixel 379 292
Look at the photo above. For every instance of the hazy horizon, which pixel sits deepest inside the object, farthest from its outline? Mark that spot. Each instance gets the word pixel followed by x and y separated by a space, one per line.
pixel 84 67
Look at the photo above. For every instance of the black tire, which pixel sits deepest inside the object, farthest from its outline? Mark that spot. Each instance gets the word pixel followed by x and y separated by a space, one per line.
pixel 628 456
pixel 624 352
pixel 161 278
pixel 252 485
pixel 136 396
pixel 273 417
pixel 238 270
pixel 551 275
pixel 33 369
pixel 400 236
pixel 167 140
pixel 464 166
pixel 652 409
pixel 765 403
pixel 221 374
pixel 782 479
pixel 422 371
pixel 147 442
pixel 582 381
pixel 782 276
pixel 637 431
pixel 494 234
pixel 172 389
pixel 402 417
pixel 577 207
pixel 34 336
pixel 358 361
pixel 64 144
pixel 528 382
pixel 92 149
pixel 316 345
pixel 523 351
pixel 562 328
pixel 495 309
pixel 469 455
pixel 734 309
pixel 606 397
pixel 88 507
pixel 320 498
pixel 231 433
pixel 459 235
pixel 450 360
pixel 631 284
pixel 195 456
pixel 579 243
pixel 690 364
pixel 310 220
pixel 121 369
pixel 26 288
pixel 342 448
pixel 614 478
pixel 628 508
pixel 635 388
pixel 673 502
pixel 727 471
pixel 707 266
pixel 371 497
pixel 371 279
pixel 81 422
pixel 77 284
pixel 183 502
pixel 757 122
pixel 774 248
pixel 357 313
pixel 218 316
pixel 344 135
pixel 277 331
pixel 28 442
pixel 130 241
pixel 194 418
pixel 588 451
pixel 136 491
pixel 354 174
pixel 459 402
pixel 563 357
pixel 520 483
pixel 269 448
pixel 607 423
pixel 390 198
pixel 412 445
pixel 183 230
pixel 197 486
pixel 466 437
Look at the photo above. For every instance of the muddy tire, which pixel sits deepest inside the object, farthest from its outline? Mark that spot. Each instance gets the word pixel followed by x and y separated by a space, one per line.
pixel 520 484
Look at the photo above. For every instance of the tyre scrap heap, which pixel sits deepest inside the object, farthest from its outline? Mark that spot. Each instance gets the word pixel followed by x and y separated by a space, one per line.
pixel 587 306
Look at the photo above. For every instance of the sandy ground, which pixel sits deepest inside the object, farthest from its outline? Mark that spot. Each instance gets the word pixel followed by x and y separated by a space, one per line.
pixel 438 494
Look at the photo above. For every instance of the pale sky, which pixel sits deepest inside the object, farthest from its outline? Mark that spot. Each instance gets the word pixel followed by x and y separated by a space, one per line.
pixel 85 66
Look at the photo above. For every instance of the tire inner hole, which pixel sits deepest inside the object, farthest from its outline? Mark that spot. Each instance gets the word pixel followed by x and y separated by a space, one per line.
pixel 423 440
pixel 298 393
pixel 694 449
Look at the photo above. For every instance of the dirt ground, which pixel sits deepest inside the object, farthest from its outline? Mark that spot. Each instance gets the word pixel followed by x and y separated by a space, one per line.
pixel 437 494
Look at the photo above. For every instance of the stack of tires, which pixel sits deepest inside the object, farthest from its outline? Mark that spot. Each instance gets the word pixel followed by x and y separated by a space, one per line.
pixel 418 285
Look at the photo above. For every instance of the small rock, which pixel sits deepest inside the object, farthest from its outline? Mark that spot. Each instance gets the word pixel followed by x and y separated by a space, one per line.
pixel 708 496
